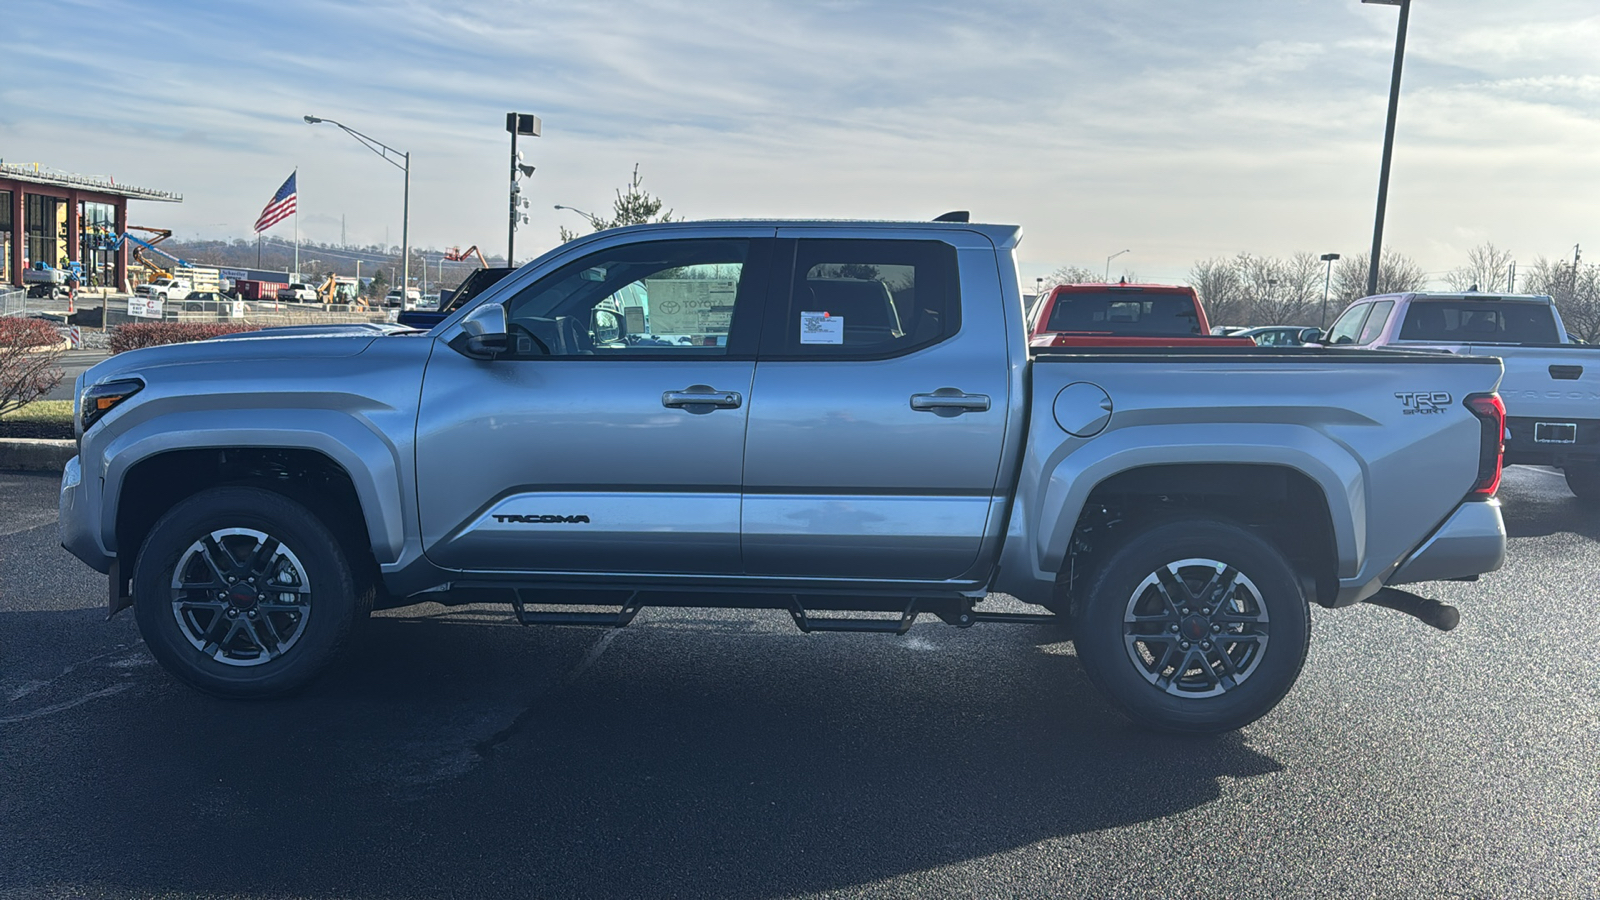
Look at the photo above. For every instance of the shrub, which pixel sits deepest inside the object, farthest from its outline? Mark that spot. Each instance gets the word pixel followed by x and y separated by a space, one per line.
pixel 29 351
pixel 155 334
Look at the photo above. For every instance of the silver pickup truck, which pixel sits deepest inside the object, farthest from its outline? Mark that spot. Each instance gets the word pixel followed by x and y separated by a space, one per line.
pixel 1551 387
pixel 841 420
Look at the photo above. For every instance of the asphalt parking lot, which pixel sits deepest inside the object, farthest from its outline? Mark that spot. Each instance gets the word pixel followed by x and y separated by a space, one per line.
pixel 709 753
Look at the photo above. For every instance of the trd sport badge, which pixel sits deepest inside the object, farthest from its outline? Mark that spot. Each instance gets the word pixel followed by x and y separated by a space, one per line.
pixel 1423 403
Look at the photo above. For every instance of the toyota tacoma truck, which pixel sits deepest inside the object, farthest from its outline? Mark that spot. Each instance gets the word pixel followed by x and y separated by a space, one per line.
pixel 1551 387
pixel 1126 315
pixel 840 420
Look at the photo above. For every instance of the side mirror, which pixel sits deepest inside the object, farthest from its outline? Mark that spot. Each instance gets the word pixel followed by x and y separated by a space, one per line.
pixel 606 326
pixel 483 333
pixel 1311 336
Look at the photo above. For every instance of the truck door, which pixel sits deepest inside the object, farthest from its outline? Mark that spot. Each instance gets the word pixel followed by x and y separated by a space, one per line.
pixel 611 437
pixel 879 412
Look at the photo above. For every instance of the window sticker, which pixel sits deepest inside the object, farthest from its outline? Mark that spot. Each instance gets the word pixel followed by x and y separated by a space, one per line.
pixel 821 328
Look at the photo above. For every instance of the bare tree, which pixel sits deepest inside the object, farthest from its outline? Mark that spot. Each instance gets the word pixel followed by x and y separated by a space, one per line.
pixel 1397 273
pixel 1576 294
pixel 1485 269
pixel 1258 290
pixel 1070 275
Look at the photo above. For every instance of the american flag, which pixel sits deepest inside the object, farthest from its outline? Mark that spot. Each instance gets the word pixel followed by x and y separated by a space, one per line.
pixel 279 207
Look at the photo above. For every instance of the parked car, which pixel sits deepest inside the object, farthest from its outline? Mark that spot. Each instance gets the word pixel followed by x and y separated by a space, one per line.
pixel 1551 382
pixel 253 496
pixel 413 297
pixel 1282 336
pixel 297 292
pixel 1125 315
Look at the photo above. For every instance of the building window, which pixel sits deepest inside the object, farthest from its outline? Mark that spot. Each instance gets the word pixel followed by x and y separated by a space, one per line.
pixel 43 219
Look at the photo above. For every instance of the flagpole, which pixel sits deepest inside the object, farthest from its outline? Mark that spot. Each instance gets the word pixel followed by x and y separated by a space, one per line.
pixel 296 177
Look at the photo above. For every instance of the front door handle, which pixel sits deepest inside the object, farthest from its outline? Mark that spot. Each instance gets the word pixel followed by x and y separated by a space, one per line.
pixel 701 398
pixel 950 402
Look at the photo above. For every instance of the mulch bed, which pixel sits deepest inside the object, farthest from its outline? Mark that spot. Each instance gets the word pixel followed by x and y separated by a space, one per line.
pixel 57 430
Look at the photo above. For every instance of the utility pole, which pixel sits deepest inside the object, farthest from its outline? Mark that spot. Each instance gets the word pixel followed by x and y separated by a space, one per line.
pixel 1577 254
pixel 1327 279
pixel 517 124
pixel 1388 140
pixel 1511 278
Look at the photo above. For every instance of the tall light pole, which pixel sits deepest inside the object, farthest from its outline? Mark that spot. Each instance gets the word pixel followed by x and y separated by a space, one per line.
pixel 401 161
pixel 1327 279
pixel 518 124
pixel 1388 139
pixel 1108 262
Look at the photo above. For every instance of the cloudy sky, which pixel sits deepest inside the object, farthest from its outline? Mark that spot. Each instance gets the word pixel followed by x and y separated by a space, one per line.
pixel 1175 129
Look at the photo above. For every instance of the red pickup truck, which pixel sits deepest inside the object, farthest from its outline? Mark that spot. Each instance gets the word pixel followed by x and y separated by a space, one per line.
pixel 1125 315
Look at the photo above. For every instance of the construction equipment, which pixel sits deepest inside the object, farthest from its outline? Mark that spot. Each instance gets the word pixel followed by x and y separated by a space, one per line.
pixel 340 289
pixel 140 246
pixel 456 254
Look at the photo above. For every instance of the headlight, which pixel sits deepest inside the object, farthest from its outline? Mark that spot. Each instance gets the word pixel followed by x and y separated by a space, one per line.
pixel 104 397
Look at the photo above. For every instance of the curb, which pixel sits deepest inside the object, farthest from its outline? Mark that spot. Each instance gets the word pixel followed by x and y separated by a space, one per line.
pixel 35 454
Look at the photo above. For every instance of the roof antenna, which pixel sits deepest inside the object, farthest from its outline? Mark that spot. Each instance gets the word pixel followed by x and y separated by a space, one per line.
pixel 959 215
pixel 1124 280
pixel 1473 289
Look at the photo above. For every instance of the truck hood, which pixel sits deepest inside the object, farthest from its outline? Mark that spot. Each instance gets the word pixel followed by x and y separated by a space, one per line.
pixel 291 342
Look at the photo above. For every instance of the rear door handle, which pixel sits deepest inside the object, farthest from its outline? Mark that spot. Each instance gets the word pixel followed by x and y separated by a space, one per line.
pixel 950 402
pixel 701 398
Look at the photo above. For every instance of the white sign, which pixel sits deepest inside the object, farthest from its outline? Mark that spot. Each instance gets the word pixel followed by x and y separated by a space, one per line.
pixel 821 328
pixel 145 307
pixel 634 317
pixel 690 306
pixel 236 309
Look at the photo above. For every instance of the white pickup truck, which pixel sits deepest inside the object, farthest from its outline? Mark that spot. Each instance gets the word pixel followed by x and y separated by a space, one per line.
pixel 1551 387
pixel 165 289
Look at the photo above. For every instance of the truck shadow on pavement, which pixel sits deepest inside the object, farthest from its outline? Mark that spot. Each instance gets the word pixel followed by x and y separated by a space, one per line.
pixel 1543 514
pixel 686 756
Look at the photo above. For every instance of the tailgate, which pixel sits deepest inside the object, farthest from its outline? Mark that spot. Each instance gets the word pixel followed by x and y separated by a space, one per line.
pixel 1548 383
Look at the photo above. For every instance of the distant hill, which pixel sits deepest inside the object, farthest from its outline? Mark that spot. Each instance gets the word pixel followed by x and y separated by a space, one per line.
pixel 321 260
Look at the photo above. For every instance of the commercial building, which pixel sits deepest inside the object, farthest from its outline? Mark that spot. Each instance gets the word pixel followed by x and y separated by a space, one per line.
pixel 59 218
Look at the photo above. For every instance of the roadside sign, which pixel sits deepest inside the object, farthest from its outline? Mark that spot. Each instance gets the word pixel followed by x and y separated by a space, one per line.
pixel 145 307
pixel 75 337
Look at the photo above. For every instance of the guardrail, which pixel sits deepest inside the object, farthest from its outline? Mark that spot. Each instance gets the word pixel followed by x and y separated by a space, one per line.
pixel 268 314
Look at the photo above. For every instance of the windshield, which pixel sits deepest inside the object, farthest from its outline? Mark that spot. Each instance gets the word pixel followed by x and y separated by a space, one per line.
pixel 1123 312
pixel 1480 321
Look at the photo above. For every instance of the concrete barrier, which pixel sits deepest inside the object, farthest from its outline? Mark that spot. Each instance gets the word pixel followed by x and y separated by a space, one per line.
pixel 35 454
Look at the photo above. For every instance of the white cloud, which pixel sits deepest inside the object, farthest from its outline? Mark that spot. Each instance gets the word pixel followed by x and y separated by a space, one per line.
pixel 1175 129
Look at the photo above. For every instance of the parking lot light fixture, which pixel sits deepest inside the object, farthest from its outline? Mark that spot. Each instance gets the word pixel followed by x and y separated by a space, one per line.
pixel 1108 263
pixel 401 161
pixel 1327 278
pixel 590 216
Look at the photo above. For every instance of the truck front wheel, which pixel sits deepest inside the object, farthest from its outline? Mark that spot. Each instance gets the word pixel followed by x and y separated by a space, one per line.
pixel 1194 626
pixel 1584 480
pixel 244 593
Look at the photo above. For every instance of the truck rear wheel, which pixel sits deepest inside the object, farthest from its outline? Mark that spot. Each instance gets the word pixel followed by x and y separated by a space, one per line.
pixel 1584 480
pixel 1194 626
pixel 244 593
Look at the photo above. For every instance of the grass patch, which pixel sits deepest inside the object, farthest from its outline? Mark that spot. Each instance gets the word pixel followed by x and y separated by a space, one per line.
pixel 44 412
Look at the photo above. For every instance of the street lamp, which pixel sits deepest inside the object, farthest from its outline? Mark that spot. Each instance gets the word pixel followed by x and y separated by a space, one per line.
pixel 404 165
pixel 1326 279
pixel 1388 139
pixel 1108 263
pixel 589 216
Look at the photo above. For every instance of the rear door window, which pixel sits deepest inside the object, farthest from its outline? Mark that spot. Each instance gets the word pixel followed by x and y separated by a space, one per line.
pixel 1480 321
pixel 1123 312
pixel 867 299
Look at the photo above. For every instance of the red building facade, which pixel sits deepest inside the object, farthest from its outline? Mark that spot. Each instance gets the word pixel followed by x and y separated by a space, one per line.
pixel 59 218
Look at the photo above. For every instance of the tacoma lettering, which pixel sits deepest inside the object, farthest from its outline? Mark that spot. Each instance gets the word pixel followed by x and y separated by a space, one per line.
pixel 541 520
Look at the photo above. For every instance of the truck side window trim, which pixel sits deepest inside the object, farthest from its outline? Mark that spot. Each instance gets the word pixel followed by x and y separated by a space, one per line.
pixel 915 315
pixel 1358 316
pixel 1376 319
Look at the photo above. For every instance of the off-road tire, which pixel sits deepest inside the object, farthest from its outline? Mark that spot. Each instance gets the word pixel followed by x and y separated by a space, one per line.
pixel 1104 624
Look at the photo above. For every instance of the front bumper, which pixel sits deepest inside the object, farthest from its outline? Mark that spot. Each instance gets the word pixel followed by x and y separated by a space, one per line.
pixel 77 523
pixel 1469 543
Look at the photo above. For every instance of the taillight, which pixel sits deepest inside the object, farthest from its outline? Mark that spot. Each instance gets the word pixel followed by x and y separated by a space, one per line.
pixel 1491 415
